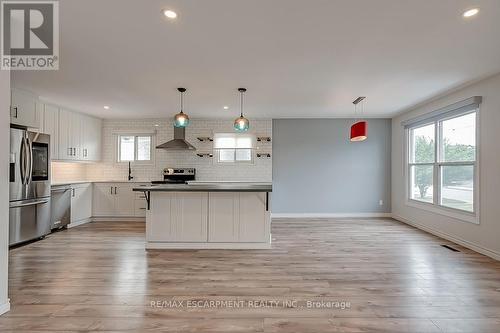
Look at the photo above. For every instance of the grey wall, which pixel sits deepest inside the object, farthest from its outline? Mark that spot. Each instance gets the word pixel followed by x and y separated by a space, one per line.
pixel 317 170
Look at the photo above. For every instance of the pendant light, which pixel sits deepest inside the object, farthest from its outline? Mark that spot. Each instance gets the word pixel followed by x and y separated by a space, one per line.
pixel 241 124
pixel 359 130
pixel 181 119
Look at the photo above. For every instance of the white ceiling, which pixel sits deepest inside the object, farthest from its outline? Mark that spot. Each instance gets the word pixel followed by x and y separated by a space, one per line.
pixel 306 58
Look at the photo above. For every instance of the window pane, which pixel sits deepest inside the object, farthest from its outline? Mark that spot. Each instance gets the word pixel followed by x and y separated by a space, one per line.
pixel 221 142
pixel 459 138
pixel 457 187
pixel 226 155
pixel 422 142
pixel 244 141
pixel 143 148
pixel 243 154
pixel 422 183
pixel 126 148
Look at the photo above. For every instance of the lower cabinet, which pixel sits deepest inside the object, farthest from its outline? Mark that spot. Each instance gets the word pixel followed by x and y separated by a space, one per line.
pixel 208 217
pixel 238 217
pixel 118 200
pixel 179 217
pixel 81 203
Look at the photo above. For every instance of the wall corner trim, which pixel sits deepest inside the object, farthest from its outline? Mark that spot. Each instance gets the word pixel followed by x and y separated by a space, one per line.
pixel 5 307
pixel 326 215
pixel 470 245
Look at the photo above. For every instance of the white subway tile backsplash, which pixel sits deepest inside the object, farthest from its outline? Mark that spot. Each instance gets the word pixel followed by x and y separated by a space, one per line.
pixel 206 169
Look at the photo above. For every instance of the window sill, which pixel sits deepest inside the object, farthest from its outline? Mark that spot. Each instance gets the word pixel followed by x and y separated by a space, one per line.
pixel 462 217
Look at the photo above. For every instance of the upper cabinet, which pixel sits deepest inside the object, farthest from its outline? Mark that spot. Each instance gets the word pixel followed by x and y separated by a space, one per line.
pixel 73 135
pixel 23 110
pixel 79 136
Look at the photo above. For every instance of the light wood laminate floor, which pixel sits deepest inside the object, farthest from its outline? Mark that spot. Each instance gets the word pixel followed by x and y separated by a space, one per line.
pixel 392 278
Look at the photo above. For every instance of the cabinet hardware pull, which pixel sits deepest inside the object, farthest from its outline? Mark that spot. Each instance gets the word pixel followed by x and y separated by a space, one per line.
pixel 15 109
pixel 111 188
pixel 115 189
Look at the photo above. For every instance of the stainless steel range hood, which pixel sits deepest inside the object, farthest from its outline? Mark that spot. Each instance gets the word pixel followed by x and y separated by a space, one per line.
pixel 179 142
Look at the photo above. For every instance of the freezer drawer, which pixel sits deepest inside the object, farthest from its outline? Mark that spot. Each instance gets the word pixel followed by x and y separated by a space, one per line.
pixel 28 219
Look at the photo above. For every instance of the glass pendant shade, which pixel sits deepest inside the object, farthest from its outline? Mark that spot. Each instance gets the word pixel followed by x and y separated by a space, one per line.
pixel 181 120
pixel 241 124
pixel 359 131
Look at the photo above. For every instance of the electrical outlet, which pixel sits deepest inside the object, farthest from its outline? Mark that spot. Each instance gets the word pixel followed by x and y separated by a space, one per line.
pixel 381 202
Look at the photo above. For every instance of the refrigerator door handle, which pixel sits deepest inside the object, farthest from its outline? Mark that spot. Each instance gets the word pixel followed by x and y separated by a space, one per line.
pixel 31 203
pixel 23 161
pixel 30 158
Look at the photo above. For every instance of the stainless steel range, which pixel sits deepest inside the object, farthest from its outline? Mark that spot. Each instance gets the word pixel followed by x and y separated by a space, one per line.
pixel 176 176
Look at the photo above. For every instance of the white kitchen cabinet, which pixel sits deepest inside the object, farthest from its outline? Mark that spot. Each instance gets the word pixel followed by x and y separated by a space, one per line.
pixel 69 135
pixel 116 200
pixel 191 216
pixel 90 138
pixel 124 200
pixel 79 136
pixel 238 217
pixel 50 125
pixel 161 221
pixel 253 218
pixel 179 217
pixel 81 203
pixel 223 216
pixel 23 108
pixel 103 200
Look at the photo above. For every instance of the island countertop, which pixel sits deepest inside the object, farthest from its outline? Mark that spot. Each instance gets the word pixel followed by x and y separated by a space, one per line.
pixel 207 187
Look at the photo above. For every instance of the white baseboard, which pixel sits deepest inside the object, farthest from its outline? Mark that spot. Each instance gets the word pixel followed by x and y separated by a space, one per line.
pixel 5 307
pixel 207 246
pixel 118 219
pixel 326 215
pixel 77 223
pixel 470 245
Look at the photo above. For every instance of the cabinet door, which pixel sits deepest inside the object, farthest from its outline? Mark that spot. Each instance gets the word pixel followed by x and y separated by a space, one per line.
pixel 66 150
pixel 51 127
pixel 103 200
pixel 76 134
pixel 160 221
pixel 223 216
pixel 253 219
pixel 124 200
pixel 91 138
pixel 191 216
pixel 23 108
pixel 81 202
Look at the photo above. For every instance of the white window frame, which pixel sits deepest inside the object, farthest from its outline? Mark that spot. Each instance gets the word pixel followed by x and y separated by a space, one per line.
pixel 151 161
pixel 435 206
pixel 234 161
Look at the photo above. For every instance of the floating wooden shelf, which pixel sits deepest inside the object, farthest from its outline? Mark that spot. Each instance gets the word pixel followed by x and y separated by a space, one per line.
pixel 264 139
pixel 205 139
pixel 262 155
pixel 205 154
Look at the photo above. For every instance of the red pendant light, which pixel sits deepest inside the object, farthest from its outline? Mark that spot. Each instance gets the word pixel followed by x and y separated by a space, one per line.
pixel 359 131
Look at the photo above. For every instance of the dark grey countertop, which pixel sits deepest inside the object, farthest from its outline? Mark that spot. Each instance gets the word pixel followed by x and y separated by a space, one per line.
pixel 207 187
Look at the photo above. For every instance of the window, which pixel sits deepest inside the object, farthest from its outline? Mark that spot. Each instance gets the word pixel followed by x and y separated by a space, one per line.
pixel 442 161
pixel 233 147
pixel 135 148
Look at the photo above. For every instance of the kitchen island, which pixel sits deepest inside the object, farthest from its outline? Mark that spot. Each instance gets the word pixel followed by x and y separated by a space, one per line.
pixel 198 215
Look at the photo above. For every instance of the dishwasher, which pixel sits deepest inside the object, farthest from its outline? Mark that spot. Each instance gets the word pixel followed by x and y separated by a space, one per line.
pixel 60 198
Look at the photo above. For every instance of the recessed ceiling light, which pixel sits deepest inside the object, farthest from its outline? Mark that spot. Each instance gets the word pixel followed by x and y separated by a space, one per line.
pixel 471 12
pixel 157 125
pixel 106 107
pixel 169 13
pixel 226 107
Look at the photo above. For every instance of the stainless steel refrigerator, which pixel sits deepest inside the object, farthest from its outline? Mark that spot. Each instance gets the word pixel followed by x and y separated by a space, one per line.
pixel 29 207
